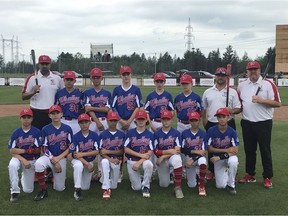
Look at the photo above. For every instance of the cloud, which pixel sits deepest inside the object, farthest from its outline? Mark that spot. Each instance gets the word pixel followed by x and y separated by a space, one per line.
pixel 245 35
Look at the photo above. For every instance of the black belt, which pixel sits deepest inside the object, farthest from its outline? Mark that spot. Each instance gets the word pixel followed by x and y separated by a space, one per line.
pixel 134 159
pixel 69 118
pixel 184 122
pixel 157 119
pixel 40 110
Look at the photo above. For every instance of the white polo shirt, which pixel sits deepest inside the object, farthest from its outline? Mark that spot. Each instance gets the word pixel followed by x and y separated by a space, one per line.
pixel 256 112
pixel 213 99
pixel 49 86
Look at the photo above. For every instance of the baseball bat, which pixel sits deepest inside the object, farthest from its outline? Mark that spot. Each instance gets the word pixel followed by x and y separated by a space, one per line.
pixel 34 66
pixel 228 83
pixel 265 73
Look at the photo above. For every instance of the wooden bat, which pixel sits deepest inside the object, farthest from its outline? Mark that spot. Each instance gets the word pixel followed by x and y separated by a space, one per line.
pixel 228 83
pixel 34 66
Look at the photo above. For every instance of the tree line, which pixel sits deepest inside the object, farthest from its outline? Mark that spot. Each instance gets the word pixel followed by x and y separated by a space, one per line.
pixel 141 65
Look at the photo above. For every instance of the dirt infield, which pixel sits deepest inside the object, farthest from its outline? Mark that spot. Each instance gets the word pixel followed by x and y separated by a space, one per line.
pixel 13 110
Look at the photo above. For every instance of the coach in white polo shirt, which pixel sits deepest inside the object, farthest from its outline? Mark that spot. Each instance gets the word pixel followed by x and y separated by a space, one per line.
pixel 215 98
pixel 42 96
pixel 256 121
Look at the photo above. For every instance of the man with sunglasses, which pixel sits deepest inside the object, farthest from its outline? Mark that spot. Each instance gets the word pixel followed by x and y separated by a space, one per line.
pixel 70 99
pixel 42 96
pixel 213 99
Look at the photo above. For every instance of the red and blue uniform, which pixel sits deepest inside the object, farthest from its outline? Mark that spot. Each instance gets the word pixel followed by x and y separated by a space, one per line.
pixel 165 141
pixel 194 141
pixel 112 141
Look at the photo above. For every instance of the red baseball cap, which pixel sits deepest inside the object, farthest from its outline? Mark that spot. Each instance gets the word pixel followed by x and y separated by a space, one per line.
pixel 166 114
pixel 186 78
pixel 83 117
pixel 125 69
pixel 55 108
pixel 26 111
pixel 253 65
pixel 194 115
pixel 96 72
pixel 221 71
pixel 222 111
pixel 69 75
pixel 44 59
pixel 112 116
pixel 159 76
pixel 141 114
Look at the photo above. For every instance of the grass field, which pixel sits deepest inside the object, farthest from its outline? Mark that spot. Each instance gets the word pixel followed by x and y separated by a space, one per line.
pixel 251 198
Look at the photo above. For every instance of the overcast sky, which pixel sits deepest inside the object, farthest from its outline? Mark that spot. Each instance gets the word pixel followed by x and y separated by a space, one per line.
pixel 141 26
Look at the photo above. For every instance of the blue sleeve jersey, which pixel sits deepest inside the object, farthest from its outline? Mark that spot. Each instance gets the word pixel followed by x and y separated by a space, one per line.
pixel 193 141
pixel 220 140
pixel 97 99
pixel 139 142
pixel 165 141
pixel 26 139
pixel 83 143
pixel 56 141
pixel 155 103
pixel 187 103
pixel 126 101
pixel 112 141
pixel 71 103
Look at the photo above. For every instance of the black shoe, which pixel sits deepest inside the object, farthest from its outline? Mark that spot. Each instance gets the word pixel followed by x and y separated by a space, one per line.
pixel 78 195
pixel 41 195
pixel 14 197
pixel 231 190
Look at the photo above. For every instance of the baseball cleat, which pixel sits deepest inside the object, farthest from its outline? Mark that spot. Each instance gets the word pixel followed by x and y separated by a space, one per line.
pixel 146 192
pixel 41 195
pixel 210 176
pixel 78 195
pixel 14 197
pixel 106 194
pixel 231 190
pixel 248 178
pixel 202 191
pixel 171 178
pixel 120 177
pixel 96 177
pixel 268 183
pixel 178 192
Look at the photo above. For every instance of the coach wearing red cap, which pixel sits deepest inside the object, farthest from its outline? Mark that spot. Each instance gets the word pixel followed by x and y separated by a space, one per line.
pixel 256 121
pixel 42 96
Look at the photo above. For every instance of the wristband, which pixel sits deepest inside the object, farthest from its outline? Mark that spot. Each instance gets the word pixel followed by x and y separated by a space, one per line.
pixel 158 152
pixel 224 156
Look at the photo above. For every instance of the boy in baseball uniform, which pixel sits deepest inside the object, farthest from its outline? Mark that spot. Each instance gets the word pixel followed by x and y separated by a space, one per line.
pixel 56 138
pixel 167 149
pixel 223 143
pixel 194 147
pixel 24 147
pixel 83 151
pixel 111 150
pixel 138 150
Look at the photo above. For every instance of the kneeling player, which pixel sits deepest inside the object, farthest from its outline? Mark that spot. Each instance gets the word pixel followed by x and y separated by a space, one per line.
pixel 56 138
pixel 138 150
pixel 83 150
pixel 24 148
pixel 223 143
pixel 167 149
pixel 194 146
pixel 111 149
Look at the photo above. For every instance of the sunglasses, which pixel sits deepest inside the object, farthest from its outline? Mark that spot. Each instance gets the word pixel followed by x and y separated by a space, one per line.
pixel 96 77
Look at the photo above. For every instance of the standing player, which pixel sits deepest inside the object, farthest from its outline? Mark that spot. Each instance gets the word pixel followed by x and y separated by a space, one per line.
pixel 257 121
pixel 167 149
pixel 24 148
pixel 126 100
pixel 194 146
pixel 83 151
pixel 223 143
pixel 97 102
pixel 158 100
pixel 215 98
pixel 56 138
pixel 138 150
pixel 42 96
pixel 70 100
pixel 186 102
pixel 111 147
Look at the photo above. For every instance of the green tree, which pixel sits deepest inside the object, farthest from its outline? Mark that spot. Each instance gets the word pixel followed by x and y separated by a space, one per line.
pixel 213 60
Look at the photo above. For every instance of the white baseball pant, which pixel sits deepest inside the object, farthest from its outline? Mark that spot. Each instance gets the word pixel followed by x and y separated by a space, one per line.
pixel 153 157
pixel 59 178
pixel 135 177
pixel 181 127
pixel 27 178
pixel 110 174
pixel 73 124
pixel 192 171
pixel 225 172
pixel 132 125
pixel 93 126
pixel 81 175
pixel 164 169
